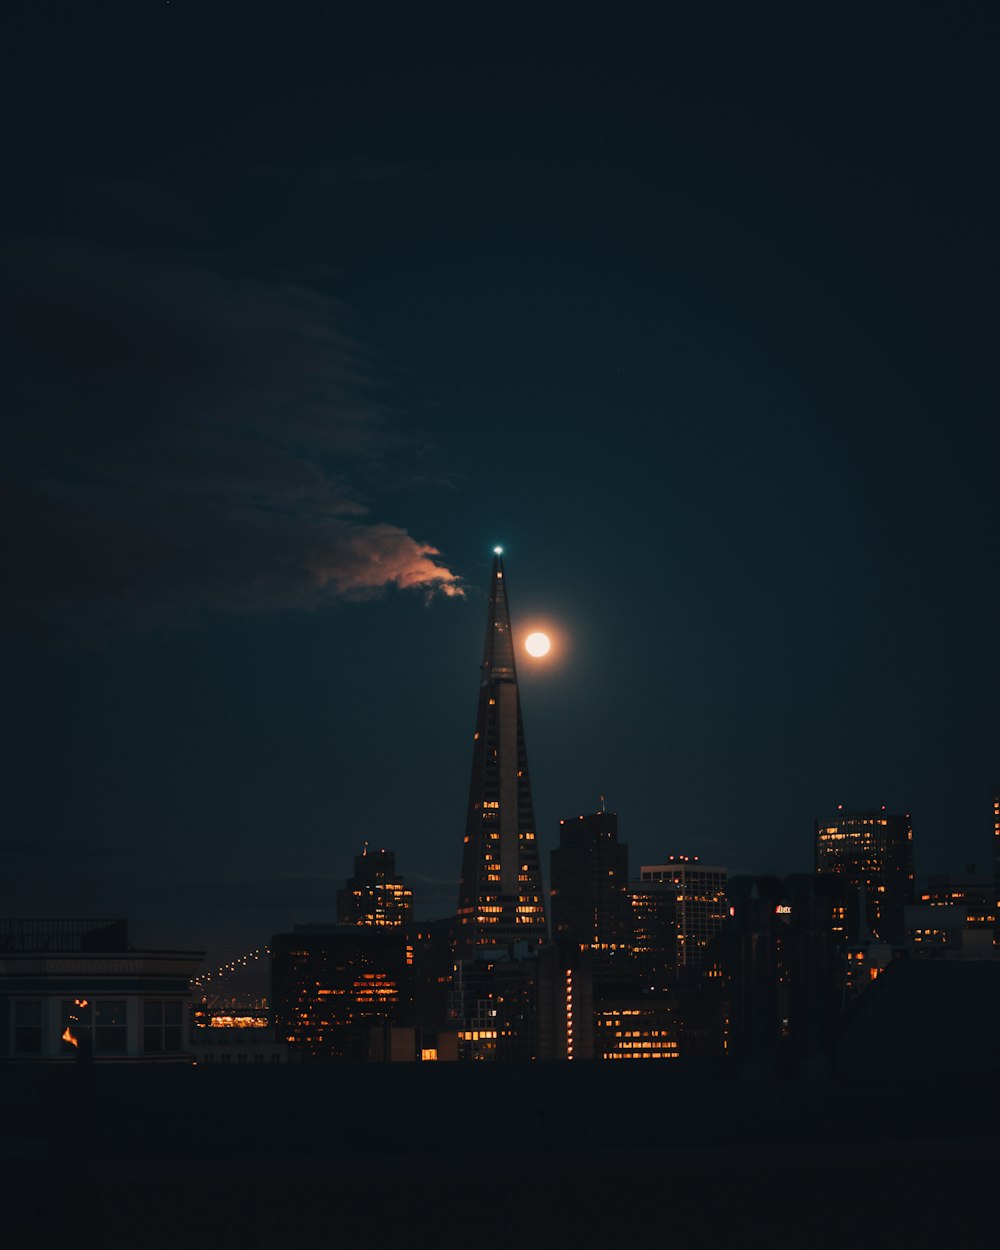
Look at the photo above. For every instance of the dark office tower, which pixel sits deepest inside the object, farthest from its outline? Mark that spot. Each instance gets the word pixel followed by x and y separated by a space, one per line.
pixel 873 851
pixel 700 899
pixel 335 987
pixel 653 940
pixel 375 895
pixel 500 898
pixel 589 883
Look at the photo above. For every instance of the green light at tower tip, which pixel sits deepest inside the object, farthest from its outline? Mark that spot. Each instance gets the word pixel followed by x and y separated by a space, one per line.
pixel 498 551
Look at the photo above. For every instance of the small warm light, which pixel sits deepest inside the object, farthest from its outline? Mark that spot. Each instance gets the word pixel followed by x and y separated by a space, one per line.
pixel 537 645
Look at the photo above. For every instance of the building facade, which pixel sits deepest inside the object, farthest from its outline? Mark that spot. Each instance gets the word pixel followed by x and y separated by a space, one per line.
pixel 500 896
pixel 700 904
pixel 873 852
pixel 375 895
pixel 75 989
pixel 331 985
pixel 589 878
pixel 653 933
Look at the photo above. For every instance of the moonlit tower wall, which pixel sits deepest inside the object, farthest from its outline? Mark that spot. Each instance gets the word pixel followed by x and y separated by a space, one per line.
pixel 500 897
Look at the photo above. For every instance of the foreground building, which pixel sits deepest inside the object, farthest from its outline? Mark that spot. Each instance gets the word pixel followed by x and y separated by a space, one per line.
pixel 76 989
pixel 500 897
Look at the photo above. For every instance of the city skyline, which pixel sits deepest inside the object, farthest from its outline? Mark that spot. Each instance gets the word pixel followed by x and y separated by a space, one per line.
pixel 306 315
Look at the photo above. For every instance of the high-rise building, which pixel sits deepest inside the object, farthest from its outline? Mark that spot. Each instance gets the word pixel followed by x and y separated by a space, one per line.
pixel 700 903
pixel 375 895
pixel 873 851
pixel 653 933
pixel 333 985
pixel 589 871
pixel 500 898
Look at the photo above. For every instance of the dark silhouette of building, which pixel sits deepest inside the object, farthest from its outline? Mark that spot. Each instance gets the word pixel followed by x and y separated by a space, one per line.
pixel 494 1003
pixel 589 877
pixel 996 864
pixel 365 991
pixel 500 897
pixel 700 904
pixel 787 965
pixel 332 986
pixel 955 917
pixel 653 933
pixel 375 895
pixel 565 1002
pixel 873 852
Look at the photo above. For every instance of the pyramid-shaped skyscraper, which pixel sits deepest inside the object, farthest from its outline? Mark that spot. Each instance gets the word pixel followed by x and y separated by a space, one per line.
pixel 500 897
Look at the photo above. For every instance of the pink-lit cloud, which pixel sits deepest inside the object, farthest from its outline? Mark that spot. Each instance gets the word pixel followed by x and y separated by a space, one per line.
pixel 178 441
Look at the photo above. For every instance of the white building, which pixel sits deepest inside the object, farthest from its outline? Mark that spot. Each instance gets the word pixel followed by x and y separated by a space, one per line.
pixel 74 988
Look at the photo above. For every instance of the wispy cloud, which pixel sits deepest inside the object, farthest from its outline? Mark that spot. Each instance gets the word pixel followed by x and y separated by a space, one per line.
pixel 179 438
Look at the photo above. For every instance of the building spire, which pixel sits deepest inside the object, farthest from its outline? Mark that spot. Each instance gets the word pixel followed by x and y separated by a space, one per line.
pixel 498 650
pixel 500 897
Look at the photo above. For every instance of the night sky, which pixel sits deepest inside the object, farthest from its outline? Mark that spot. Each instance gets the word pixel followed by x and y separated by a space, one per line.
pixel 303 313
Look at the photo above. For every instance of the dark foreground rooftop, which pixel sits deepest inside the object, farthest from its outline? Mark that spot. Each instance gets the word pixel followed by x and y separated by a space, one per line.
pixel 587 1154
pixel 899 1148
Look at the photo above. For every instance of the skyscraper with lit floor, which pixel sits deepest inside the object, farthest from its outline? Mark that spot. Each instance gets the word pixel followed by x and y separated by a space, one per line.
pixel 500 897
pixel 700 905
pixel 375 895
pixel 873 851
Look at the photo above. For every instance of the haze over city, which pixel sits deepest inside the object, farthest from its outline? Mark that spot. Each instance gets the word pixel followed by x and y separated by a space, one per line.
pixel 306 313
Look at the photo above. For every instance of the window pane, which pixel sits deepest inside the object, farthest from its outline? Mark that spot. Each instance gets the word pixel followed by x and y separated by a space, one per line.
pixel 77 1011
pixel 111 1012
pixel 152 1012
pixel 172 1037
pixel 172 1012
pixel 28 1027
pixel 111 1040
pixel 28 1040
pixel 28 1012
pixel 152 1039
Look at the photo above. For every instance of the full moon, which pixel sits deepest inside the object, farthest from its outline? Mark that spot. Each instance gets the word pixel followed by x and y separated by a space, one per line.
pixel 537 644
